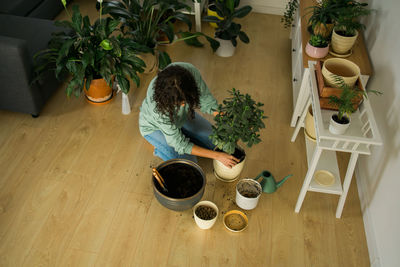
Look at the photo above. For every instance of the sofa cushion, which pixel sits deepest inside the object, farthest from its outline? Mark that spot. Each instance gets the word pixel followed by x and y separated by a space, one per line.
pixel 18 7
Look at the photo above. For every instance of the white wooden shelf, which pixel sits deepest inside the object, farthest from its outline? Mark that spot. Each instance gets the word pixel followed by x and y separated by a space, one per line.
pixel 321 155
pixel 327 162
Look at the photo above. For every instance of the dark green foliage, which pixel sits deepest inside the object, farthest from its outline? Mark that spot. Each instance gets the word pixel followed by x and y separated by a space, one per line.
pixel 239 118
pixel 345 103
pixel 287 18
pixel 90 52
pixel 318 41
pixel 348 20
pixel 326 13
pixel 145 21
pixel 227 29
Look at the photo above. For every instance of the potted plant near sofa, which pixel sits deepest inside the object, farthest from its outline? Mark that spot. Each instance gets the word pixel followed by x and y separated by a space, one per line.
pixel 93 55
pixel 227 31
pixel 317 46
pixel 239 118
pixel 145 21
pixel 347 24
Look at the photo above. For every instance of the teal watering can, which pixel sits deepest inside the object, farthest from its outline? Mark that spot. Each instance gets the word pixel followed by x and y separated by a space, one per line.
pixel 268 183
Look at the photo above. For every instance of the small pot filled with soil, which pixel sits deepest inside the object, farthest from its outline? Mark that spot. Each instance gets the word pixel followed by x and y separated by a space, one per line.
pixel 226 174
pixel 205 214
pixel 185 182
pixel 248 192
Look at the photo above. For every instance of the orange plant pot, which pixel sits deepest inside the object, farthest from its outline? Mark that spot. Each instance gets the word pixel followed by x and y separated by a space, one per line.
pixel 99 92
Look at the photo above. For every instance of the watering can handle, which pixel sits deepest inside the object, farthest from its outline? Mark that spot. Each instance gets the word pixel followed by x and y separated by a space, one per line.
pixel 258 177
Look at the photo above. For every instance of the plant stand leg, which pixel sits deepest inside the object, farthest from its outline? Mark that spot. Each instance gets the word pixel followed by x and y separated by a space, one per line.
pixel 346 183
pixel 197 15
pixel 300 123
pixel 302 97
pixel 308 178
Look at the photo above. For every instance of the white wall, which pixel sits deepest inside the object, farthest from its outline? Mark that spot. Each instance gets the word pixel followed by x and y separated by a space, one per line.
pixel 378 175
pixel 275 7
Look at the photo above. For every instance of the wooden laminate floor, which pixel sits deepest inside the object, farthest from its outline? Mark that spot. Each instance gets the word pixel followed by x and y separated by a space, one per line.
pixel 75 183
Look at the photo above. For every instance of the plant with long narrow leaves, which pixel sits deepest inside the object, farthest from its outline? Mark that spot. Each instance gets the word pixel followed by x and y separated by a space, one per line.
pixel 348 20
pixel 145 21
pixel 227 29
pixel 348 97
pixel 239 118
pixel 90 52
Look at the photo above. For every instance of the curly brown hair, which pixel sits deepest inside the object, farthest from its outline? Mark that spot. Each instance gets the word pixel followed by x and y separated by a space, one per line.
pixel 173 86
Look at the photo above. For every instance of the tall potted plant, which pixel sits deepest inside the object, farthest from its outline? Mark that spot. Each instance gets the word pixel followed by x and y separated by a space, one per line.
pixel 239 118
pixel 323 16
pixel 347 24
pixel 145 21
pixel 227 31
pixel 93 55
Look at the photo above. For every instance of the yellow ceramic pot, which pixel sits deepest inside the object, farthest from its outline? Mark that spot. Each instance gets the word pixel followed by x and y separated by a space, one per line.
pixel 342 44
pixel 344 68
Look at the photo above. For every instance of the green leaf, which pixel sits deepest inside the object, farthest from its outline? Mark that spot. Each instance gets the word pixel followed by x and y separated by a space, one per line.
pixel 191 39
pixel 243 37
pixel 123 83
pixel 163 60
pixel 211 19
pixel 230 4
pixel 184 18
pixel 106 44
pixel 76 19
pixel 64 2
pixel 241 12
pixel 213 43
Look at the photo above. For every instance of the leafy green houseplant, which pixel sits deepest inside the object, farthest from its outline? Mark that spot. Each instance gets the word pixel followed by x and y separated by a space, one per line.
pixel 347 25
pixel 346 105
pixel 290 9
pixel 239 118
pixel 323 16
pixel 91 51
pixel 317 46
pixel 146 21
pixel 227 30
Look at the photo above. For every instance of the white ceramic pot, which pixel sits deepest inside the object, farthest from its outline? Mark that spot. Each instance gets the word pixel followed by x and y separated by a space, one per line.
pixel 248 192
pixel 226 48
pixel 338 128
pixel 226 174
pixel 344 68
pixel 342 44
pixel 205 224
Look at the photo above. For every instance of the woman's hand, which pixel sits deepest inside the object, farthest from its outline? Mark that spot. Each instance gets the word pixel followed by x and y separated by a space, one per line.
pixel 226 159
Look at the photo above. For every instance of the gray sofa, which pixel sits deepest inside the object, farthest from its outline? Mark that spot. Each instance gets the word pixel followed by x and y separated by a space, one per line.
pixel 25 29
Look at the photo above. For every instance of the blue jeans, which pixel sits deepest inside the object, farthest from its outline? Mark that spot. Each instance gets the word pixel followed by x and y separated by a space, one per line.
pixel 197 130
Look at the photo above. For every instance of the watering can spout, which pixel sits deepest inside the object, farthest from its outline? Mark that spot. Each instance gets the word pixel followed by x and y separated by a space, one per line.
pixel 278 184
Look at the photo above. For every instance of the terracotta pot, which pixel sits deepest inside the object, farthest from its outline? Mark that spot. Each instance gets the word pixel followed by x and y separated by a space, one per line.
pixel 342 44
pixel 321 29
pixel 344 68
pixel 226 48
pixel 317 52
pixel 99 92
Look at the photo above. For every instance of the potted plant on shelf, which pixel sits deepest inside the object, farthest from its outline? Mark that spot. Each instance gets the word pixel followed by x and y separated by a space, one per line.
pixel 227 31
pixel 290 9
pixel 239 118
pixel 317 46
pixel 145 21
pixel 323 17
pixel 347 24
pixel 346 104
pixel 93 55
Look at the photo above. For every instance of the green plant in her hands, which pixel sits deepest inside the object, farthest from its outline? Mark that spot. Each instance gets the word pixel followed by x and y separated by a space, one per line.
pixel 90 52
pixel 290 9
pixel 226 29
pixel 239 118
pixel 145 21
pixel 346 102
pixel 318 41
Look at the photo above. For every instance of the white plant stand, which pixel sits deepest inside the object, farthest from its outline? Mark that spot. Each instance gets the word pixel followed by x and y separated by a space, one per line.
pixel 321 155
pixel 197 8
